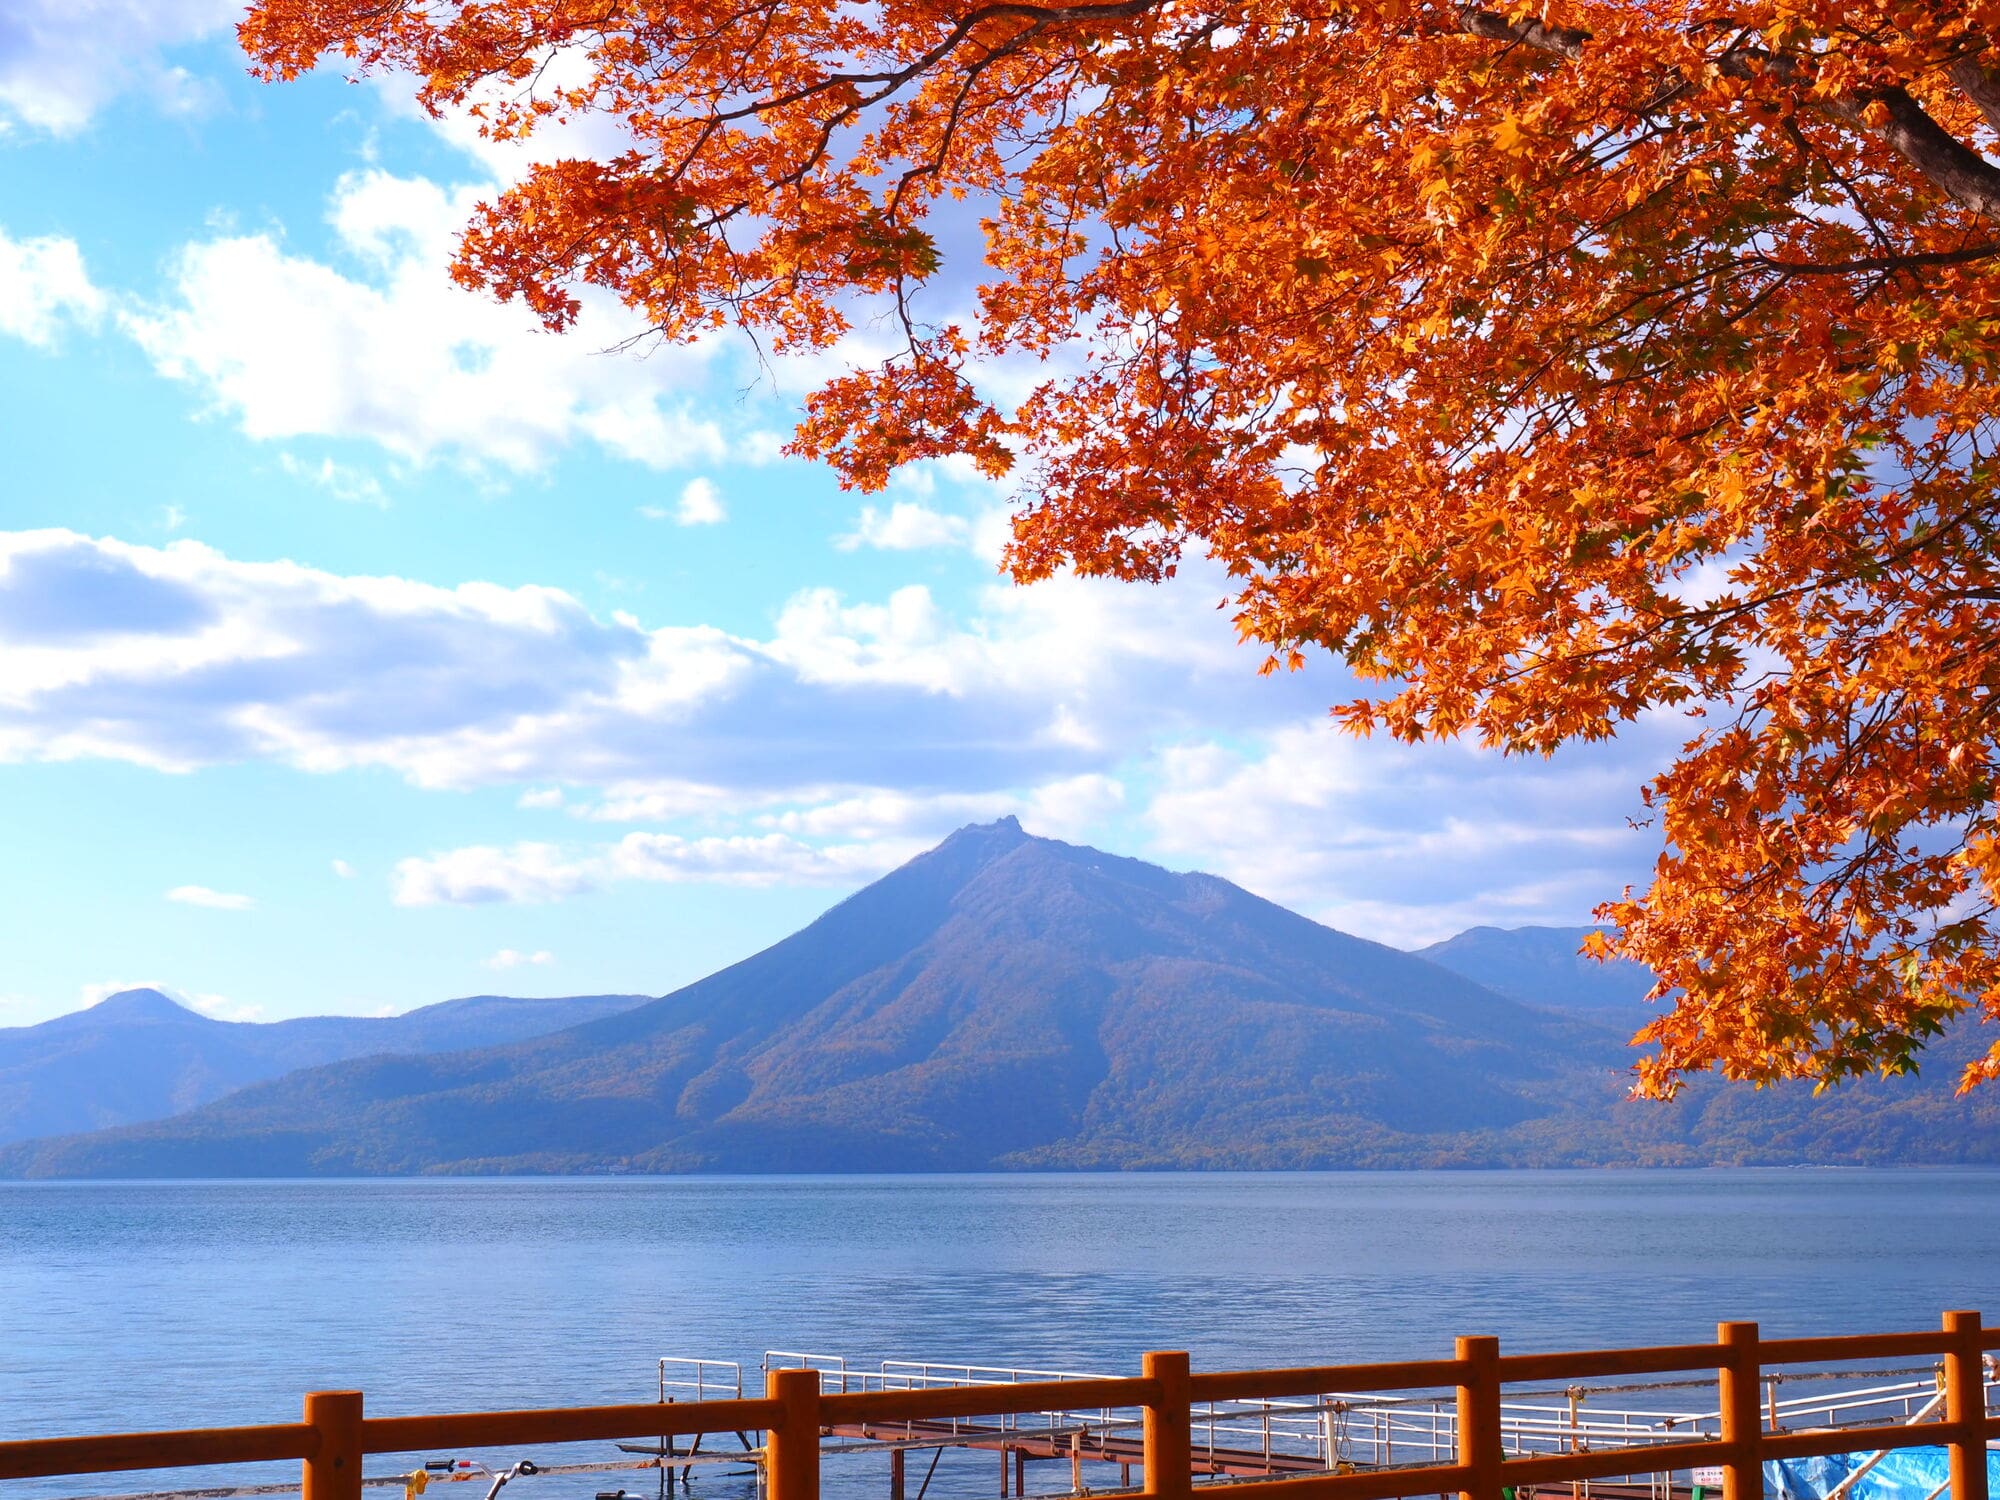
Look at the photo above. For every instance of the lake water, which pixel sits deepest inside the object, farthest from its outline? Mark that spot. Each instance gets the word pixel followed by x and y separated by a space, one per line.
pixel 142 1305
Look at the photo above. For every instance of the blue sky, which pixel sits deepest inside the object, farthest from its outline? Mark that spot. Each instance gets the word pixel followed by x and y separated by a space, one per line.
pixel 362 645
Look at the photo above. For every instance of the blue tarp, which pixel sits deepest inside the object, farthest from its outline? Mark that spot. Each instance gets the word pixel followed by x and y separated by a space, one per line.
pixel 1903 1474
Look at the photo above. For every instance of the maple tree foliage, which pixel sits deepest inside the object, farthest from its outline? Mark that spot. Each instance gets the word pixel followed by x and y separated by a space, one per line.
pixel 1550 366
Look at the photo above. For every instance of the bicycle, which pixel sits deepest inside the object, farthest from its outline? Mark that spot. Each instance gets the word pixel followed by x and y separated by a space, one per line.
pixel 418 1480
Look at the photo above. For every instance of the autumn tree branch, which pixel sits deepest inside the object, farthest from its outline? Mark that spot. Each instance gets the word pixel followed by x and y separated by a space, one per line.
pixel 1892 115
pixel 1978 85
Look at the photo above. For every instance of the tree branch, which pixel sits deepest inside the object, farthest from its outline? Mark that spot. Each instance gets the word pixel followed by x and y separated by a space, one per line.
pixel 1564 41
pixel 1984 251
pixel 1978 85
pixel 1912 134
pixel 1901 123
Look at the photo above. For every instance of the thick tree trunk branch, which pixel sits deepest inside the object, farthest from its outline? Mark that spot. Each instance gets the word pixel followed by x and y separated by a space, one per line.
pixel 1980 86
pixel 1565 41
pixel 1926 145
pixel 1902 123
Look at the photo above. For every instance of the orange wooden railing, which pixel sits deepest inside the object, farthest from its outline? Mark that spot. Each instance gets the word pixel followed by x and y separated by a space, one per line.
pixel 335 1434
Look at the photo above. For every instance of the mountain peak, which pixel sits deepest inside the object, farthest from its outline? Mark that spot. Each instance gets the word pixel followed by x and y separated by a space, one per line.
pixel 969 850
pixel 1001 833
pixel 140 1005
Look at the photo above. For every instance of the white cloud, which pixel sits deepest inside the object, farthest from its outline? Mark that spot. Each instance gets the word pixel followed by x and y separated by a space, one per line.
pixel 658 801
pixel 509 958
pixel 172 518
pixel 201 895
pixel 350 486
pixel 853 734
pixel 907 640
pixel 753 860
pixel 1406 844
pixel 905 527
pixel 700 504
pixel 178 657
pixel 838 843
pixel 402 356
pixel 1073 808
pixel 63 60
pixel 760 447
pixel 534 873
pixel 44 287
pixel 343 869
pixel 222 1008
pixel 584 135
pixel 481 873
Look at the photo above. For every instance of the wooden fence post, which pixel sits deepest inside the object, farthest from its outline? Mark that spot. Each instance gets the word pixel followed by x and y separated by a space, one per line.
pixel 792 1458
pixel 1168 1424
pixel 1965 1405
pixel 1738 1376
pixel 1480 1448
pixel 334 1470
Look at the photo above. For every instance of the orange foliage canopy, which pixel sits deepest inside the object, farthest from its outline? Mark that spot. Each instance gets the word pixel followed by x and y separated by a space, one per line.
pixel 1549 366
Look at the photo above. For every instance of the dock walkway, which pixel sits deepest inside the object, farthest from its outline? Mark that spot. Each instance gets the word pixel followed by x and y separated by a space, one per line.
pixel 1337 1433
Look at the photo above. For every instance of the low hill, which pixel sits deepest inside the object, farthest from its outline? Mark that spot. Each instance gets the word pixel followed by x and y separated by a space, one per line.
pixel 138 1055
pixel 1873 1122
pixel 1005 1001
pixel 1542 966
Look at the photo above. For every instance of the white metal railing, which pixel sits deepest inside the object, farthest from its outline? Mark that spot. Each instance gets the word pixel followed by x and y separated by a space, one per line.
pixel 832 1367
pixel 1382 1431
pixel 708 1379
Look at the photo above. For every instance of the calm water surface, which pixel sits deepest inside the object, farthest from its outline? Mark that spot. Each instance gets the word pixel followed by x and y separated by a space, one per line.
pixel 135 1305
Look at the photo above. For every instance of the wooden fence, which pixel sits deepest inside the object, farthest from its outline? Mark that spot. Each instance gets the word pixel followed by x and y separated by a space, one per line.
pixel 336 1434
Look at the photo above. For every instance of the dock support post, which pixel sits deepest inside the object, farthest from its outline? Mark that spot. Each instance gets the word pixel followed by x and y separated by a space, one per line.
pixel 895 1474
pixel 1005 1454
pixel 1169 1460
pixel 1020 1471
pixel 334 1471
pixel 667 1449
pixel 793 1455
pixel 1480 1447
pixel 1965 1405
pixel 1738 1374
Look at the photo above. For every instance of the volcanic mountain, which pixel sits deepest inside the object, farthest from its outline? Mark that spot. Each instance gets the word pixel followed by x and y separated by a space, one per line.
pixel 1005 1001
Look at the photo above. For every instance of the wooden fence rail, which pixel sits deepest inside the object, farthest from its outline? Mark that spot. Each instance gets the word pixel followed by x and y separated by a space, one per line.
pixel 335 1435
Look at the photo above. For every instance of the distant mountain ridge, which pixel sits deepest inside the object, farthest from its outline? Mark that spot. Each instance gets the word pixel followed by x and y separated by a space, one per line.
pixel 138 1055
pixel 1006 1002
pixel 1543 966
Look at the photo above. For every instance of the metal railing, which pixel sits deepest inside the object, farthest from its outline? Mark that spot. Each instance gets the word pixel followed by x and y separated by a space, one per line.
pixel 707 1378
pixel 1344 1427
pixel 336 1434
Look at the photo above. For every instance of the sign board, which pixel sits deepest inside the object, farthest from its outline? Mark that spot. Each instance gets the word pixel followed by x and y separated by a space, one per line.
pixel 1708 1478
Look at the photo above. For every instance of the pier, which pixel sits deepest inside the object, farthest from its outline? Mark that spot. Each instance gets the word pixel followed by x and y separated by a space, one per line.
pixel 1337 1432
pixel 1621 1424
